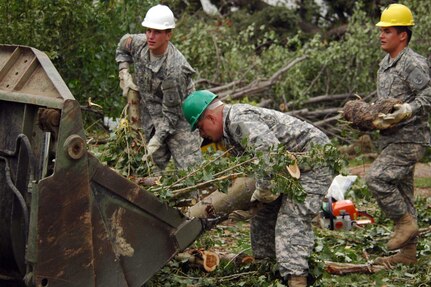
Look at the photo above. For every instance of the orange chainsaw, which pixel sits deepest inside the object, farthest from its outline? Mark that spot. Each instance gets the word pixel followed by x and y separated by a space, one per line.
pixel 342 215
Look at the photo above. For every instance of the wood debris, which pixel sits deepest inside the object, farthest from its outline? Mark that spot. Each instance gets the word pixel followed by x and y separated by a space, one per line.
pixel 362 114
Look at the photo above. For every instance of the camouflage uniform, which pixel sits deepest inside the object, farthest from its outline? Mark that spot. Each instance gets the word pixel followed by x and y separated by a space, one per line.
pixel 163 85
pixel 391 175
pixel 281 229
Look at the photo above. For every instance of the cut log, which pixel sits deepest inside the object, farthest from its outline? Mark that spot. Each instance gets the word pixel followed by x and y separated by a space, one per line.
pixel 237 198
pixel 207 260
pixel 361 114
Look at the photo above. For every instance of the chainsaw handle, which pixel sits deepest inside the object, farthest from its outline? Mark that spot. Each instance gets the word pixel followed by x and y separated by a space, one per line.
pixel 365 214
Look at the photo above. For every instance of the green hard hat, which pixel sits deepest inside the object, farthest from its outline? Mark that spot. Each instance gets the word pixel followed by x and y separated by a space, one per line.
pixel 195 104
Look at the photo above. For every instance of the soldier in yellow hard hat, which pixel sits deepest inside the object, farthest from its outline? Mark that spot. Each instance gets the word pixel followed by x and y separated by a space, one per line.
pixel 404 134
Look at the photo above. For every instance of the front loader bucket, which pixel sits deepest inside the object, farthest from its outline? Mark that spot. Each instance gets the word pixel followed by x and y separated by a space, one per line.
pixel 65 219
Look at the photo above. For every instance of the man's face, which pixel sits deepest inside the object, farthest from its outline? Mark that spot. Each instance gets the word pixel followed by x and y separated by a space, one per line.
pixel 391 41
pixel 210 127
pixel 158 40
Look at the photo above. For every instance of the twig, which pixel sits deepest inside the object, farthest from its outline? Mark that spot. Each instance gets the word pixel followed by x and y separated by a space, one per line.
pixel 234 166
pixel 178 192
pixel 236 255
pixel 198 169
pixel 345 268
pixel 228 277
pixel 423 231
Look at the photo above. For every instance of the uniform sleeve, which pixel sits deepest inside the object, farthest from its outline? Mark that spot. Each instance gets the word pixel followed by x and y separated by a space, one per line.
pixel 258 137
pixel 127 47
pixel 419 82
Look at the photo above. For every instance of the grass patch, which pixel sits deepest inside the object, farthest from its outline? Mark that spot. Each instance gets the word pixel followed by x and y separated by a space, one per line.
pixel 423 182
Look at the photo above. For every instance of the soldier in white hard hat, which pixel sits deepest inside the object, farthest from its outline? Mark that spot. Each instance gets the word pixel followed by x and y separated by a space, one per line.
pixel 164 80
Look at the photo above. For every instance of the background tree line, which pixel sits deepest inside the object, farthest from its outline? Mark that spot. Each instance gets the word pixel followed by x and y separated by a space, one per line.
pixel 249 42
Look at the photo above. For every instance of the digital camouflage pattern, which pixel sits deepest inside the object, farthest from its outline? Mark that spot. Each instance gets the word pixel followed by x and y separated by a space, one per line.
pixel 164 83
pixel 406 78
pixel 391 176
pixel 281 229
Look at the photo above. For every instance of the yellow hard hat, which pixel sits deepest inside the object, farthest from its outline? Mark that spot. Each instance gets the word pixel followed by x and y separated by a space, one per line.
pixel 396 15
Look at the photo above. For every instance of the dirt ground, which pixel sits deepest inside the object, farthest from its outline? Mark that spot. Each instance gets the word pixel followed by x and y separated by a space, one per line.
pixel 422 170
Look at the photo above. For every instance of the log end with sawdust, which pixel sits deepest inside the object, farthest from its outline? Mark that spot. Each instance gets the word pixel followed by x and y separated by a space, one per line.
pixel 361 114
pixel 207 260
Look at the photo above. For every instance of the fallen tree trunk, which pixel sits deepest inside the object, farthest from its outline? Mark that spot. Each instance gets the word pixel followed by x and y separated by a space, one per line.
pixel 259 85
pixel 237 198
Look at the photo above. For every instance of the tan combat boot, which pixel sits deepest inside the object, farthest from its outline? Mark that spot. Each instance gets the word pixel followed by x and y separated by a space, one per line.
pixel 297 281
pixel 407 256
pixel 405 229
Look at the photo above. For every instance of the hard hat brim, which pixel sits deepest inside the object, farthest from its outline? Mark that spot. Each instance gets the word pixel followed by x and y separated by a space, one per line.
pixel 387 24
pixel 156 26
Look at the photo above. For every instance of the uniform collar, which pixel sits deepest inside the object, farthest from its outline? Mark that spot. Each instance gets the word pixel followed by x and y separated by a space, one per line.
pixel 388 62
pixel 156 65
pixel 226 120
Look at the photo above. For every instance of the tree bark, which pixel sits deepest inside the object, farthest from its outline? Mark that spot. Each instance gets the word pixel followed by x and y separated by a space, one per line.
pixel 237 198
pixel 346 268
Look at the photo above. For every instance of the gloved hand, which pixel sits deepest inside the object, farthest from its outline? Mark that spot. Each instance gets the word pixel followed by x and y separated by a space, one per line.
pixel 265 196
pixel 401 113
pixel 126 82
pixel 153 145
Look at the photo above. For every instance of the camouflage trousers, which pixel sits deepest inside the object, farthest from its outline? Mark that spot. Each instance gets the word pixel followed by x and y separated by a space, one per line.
pixel 391 176
pixel 282 229
pixel 184 148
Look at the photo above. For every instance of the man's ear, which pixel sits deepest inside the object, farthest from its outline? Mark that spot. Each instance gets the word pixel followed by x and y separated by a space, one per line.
pixel 403 36
pixel 169 35
pixel 211 117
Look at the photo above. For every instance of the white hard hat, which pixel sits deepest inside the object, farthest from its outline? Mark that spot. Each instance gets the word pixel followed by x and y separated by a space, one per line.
pixel 159 17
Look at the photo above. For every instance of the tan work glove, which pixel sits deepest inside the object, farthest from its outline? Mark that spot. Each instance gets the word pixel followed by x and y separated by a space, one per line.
pixel 126 82
pixel 265 196
pixel 401 113
pixel 153 145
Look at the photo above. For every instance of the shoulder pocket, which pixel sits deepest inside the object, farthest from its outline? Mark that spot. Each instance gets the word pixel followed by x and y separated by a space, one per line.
pixel 418 79
pixel 171 96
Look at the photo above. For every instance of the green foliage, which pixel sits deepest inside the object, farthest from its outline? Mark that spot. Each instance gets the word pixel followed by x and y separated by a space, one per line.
pixel 124 151
pixel 358 246
pixel 217 169
pixel 80 37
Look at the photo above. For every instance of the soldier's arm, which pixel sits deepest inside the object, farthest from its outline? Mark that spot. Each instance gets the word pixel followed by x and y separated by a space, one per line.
pixel 419 81
pixel 127 47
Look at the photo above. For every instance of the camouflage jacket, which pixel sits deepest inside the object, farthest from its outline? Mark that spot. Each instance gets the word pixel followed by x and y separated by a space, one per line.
pixel 406 78
pixel 163 85
pixel 246 126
